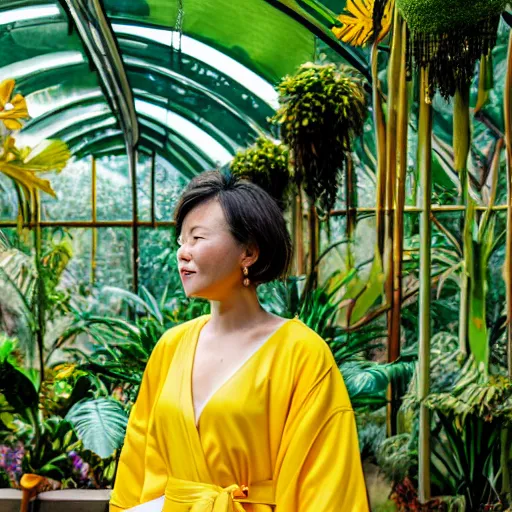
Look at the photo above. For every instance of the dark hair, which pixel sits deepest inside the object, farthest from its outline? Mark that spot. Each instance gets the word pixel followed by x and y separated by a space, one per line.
pixel 253 216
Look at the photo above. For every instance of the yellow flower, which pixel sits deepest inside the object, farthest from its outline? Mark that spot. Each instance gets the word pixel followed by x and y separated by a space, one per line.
pixel 11 110
pixel 358 24
pixel 64 371
pixel 30 481
pixel 22 164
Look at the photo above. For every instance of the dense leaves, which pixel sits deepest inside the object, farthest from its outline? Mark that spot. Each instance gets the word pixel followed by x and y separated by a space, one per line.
pixel 322 108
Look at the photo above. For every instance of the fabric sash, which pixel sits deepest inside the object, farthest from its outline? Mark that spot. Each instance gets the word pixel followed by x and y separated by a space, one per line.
pixel 204 497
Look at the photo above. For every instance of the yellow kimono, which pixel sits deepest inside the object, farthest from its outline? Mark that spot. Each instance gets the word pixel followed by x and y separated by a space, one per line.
pixel 278 435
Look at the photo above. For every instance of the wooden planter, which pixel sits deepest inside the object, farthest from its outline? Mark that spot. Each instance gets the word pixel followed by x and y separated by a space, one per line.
pixel 68 500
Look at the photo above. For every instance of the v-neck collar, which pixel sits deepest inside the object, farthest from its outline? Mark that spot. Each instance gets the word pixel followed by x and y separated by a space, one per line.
pixel 230 377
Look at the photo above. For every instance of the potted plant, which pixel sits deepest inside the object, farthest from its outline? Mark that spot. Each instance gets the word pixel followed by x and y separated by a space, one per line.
pixel 450 37
pixel 265 163
pixel 322 108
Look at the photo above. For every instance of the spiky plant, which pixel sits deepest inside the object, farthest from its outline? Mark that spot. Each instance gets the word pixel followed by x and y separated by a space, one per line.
pixel 265 163
pixel 450 37
pixel 322 107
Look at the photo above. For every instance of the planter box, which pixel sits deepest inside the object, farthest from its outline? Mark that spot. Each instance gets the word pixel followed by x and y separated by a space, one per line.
pixel 68 500
pixel 10 500
pixel 73 500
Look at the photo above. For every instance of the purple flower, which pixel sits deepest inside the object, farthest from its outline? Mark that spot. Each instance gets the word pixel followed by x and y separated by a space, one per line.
pixel 10 461
pixel 80 468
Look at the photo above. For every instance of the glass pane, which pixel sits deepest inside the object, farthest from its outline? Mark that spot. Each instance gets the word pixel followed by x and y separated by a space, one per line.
pixel 186 128
pixel 114 190
pixel 8 199
pixel 144 186
pixel 206 54
pixel 73 187
pixel 114 261
pixel 77 277
pixel 158 264
pixel 364 189
pixel 169 186
pixel 223 25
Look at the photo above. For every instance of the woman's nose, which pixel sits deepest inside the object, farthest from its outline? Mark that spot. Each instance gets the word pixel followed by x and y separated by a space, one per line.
pixel 183 253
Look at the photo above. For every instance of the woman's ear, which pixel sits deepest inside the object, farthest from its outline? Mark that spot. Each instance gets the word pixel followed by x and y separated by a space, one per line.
pixel 250 255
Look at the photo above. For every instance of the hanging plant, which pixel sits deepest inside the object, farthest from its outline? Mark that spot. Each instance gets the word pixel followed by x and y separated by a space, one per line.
pixel 322 107
pixel 450 37
pixel 266 164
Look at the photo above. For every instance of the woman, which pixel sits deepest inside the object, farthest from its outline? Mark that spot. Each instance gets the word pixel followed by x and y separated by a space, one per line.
pixel 238 410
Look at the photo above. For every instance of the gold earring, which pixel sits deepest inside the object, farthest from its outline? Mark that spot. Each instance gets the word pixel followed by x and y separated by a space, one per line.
pixel 247 282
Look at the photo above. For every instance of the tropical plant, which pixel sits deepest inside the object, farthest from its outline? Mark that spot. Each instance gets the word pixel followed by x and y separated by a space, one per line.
pixel 365 20
pixel 368 382
pixel 23 165
pixel 322 108
pixel 90 419
pixel 120 348
pixel 265 163
pixel 36 296
pixel 51 442
pixel 46 440
pixel 449 38
pixel 12 108
pixel 507 115
pixel 370 21
pixel 469 411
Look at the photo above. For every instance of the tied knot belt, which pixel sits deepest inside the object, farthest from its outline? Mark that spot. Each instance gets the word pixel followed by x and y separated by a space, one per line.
pixel 203 497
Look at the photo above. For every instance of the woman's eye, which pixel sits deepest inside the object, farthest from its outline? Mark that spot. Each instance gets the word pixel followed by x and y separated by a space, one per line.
pixel 180 240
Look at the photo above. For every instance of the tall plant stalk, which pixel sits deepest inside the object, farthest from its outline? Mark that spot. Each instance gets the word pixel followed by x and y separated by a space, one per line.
pixel 391 163
pixel 399 196
pixel 380 139
pixel 461 146
pixel 425 164
pixel 41 293
pixel 314 246
pixel 298 231
pixel 396 158
pixel 507 101
pixel 350 200
pixel 350 206
pixel 391 158
pixel 398 223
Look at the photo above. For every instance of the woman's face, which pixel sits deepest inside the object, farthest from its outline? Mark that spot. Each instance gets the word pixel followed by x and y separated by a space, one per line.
pixel 209 250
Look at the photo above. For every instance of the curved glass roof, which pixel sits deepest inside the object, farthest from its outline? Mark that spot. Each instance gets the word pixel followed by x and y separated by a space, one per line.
pixel 193 80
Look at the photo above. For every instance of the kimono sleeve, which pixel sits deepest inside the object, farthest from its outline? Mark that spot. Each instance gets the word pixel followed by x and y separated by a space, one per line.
pixel 141 474
pixel 320 466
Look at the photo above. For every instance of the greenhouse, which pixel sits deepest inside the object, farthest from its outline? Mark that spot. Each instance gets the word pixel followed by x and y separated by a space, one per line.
pixel 360 154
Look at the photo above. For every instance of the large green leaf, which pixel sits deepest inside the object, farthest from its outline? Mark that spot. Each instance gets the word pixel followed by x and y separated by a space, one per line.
pixel 367 382
pixel 100 424
pixel 365 293
pixel 150 305
pixel 19 391
pixel 366 385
